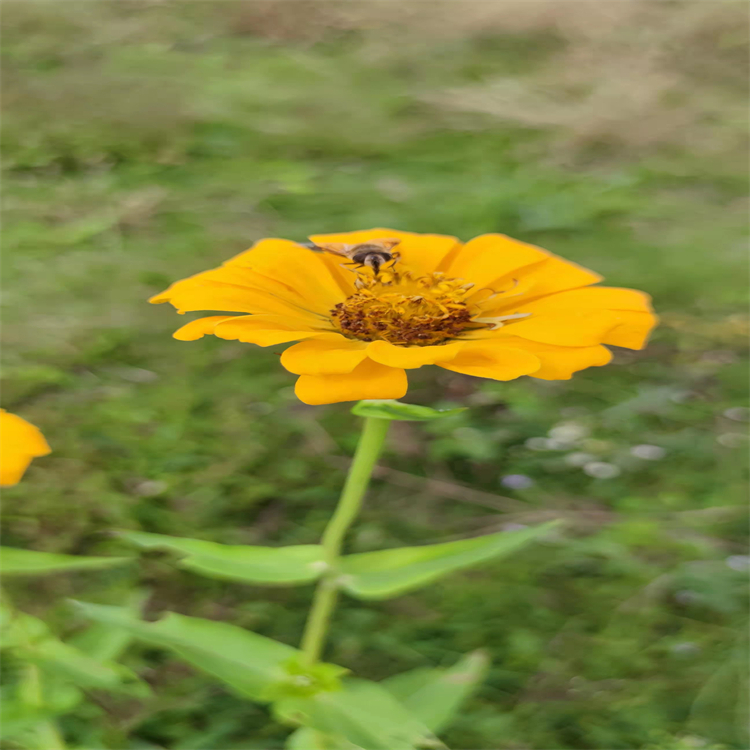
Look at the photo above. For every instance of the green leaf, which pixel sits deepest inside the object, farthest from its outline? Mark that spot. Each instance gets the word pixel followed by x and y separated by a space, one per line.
pixel 18 718
pixel 31 641
pixel 303 680
pixel 67 661
pixel 435 695
pixel 60 695
pixel 432 696
pixel 249 663
pixel 19 629
pixel 280 565
pixel 389 409
pixel 308 739
pixel 20 562
pixel 107 642
pixel 386 573
pixel 363 713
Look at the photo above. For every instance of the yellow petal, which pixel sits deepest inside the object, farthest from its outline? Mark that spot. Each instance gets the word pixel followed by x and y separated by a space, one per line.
pixel 601 297
pixel 275 277
pixel 486 359
pixel 413 356
pixel 20 442
pixel 491 257
pixel 555 275
pixel 197 329
pixel 419 252
pixel 12 471
pixel 560 362
pixel 368 380
pixel 300 269
pixel 237 289
pixel 359 236
pixel 564 328
pixel 422 253
pixel 329 354
pixel 633 330
pixel 264 330
pixel 632 309
pixel 345 276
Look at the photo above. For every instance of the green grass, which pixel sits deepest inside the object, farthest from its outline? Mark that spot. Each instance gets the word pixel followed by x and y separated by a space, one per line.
pixel 148 141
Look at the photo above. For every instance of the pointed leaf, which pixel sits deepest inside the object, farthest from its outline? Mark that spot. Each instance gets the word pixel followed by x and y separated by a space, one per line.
pixel 280 565
pixel 29 562
pixel 389 409
pixel 60 658
pixel 385 573
pixel 363 713
pixel 249 663
pixel 32 641
pixel 435 695
pixel 105 642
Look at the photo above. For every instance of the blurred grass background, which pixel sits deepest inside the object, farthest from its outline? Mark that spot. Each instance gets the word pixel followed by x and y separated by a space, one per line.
pixel 148 140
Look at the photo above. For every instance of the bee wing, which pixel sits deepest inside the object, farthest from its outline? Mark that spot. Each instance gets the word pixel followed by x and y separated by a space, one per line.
pixel 385 244
pixel 335 248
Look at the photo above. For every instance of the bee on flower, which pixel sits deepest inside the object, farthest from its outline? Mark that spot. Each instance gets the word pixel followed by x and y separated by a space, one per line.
pixel 376 303
pixel 20 442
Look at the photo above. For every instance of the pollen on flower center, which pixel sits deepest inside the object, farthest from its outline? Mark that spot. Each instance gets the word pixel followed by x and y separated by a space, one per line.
pixel 401 309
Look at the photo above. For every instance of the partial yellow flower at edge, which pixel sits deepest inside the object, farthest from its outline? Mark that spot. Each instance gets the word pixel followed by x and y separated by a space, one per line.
pixel 20 442
pixel 493 307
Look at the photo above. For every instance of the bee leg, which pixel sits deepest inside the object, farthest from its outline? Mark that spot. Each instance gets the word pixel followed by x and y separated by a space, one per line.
pixel 395 257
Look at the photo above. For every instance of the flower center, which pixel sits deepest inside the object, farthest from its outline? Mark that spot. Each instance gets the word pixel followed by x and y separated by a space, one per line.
pixel 396 307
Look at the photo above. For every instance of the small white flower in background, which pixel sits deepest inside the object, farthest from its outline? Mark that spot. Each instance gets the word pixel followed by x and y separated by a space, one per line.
pixel 517 482
pixel 738 562
pixel 738 414
pixel 559 445
pixel 680 397
pixel 693 741
pixel 136 374
pixel 579 458
pixel 150 488
pixel 732 439
pixel 568 432
pixel 537 444
pixel 648 452
pixel 687 648
pixel 719 357
pixel 601 470
pixel 514 526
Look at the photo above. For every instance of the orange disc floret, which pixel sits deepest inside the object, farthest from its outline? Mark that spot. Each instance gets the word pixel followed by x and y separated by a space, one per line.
pixel 493 307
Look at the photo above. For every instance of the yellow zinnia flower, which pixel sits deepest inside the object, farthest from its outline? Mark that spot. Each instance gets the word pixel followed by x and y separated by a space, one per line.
pixel 20 441
pixel 493 307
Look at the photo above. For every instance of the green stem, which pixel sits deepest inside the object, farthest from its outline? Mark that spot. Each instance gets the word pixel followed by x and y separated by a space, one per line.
pixel 368 449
